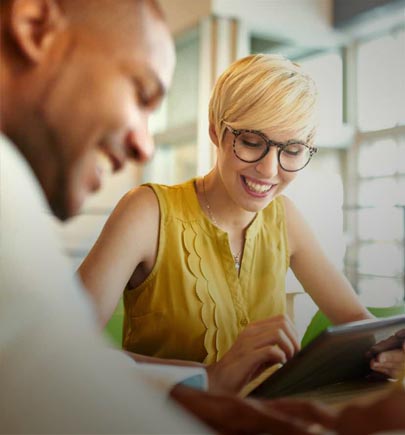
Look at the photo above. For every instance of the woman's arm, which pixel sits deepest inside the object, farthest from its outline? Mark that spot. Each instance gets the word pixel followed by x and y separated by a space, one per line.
pixel 129 239
pixel 329 289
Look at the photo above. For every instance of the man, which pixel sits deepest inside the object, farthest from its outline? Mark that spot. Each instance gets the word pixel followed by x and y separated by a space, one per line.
pixel 78 77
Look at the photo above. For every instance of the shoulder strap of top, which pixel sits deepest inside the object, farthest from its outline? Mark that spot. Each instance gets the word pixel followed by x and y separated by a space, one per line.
pixel 274 220
pixel 159 191
pixel 176 201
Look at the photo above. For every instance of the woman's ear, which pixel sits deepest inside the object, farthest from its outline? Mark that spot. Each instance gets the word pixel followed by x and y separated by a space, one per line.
pixel 34 25
pixel 213 135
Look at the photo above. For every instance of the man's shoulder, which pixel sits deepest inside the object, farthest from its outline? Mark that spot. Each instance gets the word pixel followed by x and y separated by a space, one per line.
pixel 17 177
pixel 21 197
pixel 31 256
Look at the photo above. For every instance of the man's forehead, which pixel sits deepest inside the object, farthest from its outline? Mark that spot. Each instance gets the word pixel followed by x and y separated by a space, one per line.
pixel 136 36
pixel 103 10
pixel 155 49
pixel 116 19
pixel 131 32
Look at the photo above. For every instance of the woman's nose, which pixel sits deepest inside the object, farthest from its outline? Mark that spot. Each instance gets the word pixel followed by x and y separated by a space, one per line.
pixel 268 165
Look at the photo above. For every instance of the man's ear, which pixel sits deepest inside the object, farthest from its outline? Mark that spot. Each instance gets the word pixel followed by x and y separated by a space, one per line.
pixel 213 135
pixel 34 25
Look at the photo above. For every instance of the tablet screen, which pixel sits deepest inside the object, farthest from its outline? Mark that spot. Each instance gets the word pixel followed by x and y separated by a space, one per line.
pixel 336 355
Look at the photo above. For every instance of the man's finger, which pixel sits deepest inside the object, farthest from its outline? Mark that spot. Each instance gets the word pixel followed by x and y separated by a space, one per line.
pixel 392 342
pixel 395 356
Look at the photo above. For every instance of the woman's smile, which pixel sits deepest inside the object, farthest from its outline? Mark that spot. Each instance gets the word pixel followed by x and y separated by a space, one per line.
pixel 256 188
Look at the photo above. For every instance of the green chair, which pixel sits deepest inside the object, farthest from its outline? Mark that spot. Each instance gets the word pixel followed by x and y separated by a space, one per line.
pixel 114 326
pixel 320 322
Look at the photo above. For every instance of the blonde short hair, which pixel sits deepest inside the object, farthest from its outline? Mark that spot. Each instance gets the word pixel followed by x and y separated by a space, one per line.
pixel 264 91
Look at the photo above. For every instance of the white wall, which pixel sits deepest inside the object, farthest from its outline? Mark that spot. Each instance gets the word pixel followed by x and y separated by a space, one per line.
pixel 284 19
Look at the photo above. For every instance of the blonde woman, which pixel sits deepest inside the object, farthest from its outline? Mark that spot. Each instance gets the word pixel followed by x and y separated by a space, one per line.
pixel 203 263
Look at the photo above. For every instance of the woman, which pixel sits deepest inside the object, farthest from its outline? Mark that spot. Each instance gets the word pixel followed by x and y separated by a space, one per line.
pixel 203 263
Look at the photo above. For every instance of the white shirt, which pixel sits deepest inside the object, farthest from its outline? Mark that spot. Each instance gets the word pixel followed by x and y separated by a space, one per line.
pixel 57 374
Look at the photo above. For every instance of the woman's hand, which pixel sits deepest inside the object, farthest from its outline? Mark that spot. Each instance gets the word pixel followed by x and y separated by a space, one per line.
pixel 261 345
pixel 389 356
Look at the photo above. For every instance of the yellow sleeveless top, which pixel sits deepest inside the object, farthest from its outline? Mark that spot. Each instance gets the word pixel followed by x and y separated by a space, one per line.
pixel 193 304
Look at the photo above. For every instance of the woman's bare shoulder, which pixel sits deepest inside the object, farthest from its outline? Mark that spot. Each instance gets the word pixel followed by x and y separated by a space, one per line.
pixel 140 197
pixel 137 209
pixel 296 225
pixel 293 216
pixel 138 201
pixel 289 206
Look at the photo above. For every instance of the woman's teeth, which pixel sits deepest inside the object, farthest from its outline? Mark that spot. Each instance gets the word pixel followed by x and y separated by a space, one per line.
pixel 258 188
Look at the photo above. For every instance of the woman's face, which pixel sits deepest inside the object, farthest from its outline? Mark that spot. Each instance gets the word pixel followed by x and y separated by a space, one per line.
pixel 253 185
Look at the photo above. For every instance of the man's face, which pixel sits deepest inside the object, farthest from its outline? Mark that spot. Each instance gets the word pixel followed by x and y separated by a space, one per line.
pixel 99 97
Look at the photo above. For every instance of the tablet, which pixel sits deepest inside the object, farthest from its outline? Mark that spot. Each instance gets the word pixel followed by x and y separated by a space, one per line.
pixel 337 354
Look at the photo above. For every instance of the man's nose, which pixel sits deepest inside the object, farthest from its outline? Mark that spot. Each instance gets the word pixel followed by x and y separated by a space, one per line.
pixel 268 165
pixel 139 142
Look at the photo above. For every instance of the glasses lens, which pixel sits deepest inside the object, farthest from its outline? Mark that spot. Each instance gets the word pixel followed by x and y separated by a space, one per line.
pixel 250 146
pixel 294 156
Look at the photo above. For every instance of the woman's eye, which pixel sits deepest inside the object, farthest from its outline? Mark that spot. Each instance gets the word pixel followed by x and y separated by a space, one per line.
pixel 293 150
pixel 251 144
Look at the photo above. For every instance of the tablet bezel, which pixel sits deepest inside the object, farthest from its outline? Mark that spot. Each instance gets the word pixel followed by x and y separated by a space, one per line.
pixel 343 349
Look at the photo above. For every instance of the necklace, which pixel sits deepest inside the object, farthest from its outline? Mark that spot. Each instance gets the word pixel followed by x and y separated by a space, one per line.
pixel 236 257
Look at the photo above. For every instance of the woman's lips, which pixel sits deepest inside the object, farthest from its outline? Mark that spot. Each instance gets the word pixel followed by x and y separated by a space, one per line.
pixel 256 188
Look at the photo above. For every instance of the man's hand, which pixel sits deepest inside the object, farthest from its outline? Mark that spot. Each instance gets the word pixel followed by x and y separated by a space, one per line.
pixel 388 356
pixel 234 416
pixel 384 414
pixel 309 411
pixel 261 345
pixel 231 415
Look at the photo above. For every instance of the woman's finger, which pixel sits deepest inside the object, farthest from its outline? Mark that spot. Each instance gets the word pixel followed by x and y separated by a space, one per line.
pixel 260 360
pixel 283 322
pixel 268 355
pixel 269 338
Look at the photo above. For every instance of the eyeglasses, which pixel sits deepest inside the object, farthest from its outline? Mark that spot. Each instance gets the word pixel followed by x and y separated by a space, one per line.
pixel 250 146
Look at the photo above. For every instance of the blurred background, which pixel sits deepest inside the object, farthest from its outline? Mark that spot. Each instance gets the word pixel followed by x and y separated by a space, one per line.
pixel 353 191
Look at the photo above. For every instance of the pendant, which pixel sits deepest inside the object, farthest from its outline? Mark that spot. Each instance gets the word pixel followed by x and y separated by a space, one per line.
pixel 237 265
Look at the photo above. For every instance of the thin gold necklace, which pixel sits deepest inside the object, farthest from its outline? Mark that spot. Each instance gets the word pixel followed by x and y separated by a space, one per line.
pixel 236 257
